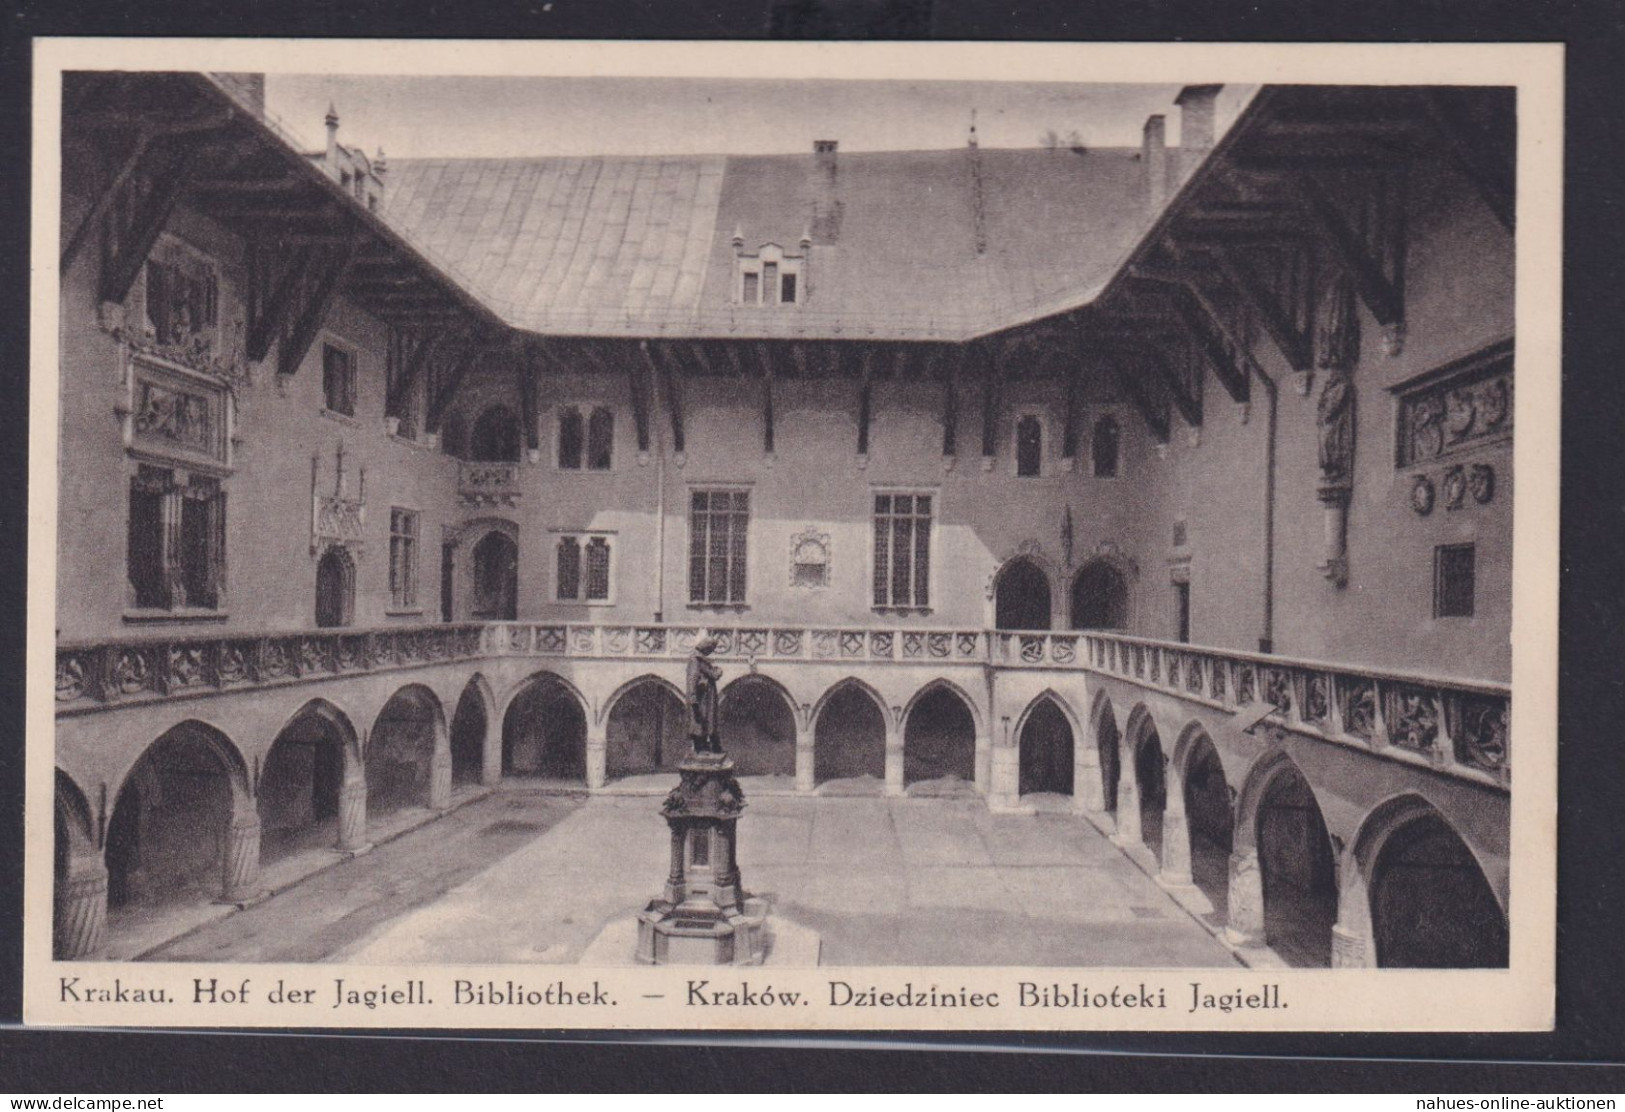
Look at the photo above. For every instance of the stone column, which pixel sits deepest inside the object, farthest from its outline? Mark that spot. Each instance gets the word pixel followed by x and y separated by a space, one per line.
pixel 353 814
pixel 491 753
pixel 1176 840
pixel 1004 792
pixel 1352 944
pixel 1088 791
pixel 984 763
pixel 806 779
pixel 1246 897
pixel 240 864
pixel 79 924
pixel 894 759
pixel 1129 832
pixel 597 757
pixel 440 779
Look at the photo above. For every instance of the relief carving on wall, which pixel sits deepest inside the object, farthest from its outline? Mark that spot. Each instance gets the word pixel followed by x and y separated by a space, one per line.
pixel 1462 409
pixel 810 559
pixel 337 519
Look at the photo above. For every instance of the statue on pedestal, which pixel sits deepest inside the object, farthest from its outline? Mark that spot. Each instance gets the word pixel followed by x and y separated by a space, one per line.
pixel 701 688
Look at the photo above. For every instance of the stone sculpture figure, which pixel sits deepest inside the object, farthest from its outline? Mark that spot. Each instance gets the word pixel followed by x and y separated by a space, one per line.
pixel 701 689
pixel 1335 419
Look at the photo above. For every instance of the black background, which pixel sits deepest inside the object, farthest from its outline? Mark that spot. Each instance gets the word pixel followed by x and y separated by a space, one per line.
pixel 1578 1057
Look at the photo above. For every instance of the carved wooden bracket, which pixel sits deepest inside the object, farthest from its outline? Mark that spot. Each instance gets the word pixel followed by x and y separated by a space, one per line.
pixel 1277 283
pixel 765 358
pixel 1373 255
pixel 135 210
pixel 1211 331
pixel 308 306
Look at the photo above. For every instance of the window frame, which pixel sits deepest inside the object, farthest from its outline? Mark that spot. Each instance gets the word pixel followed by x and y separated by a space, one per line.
pixel 174 567
pixel 1020 415
pixel 405 597
pixel 328 343
pixel 891 606
pixel 1117 420
pixel 583 539
pixel 1439 588
pixel 744 562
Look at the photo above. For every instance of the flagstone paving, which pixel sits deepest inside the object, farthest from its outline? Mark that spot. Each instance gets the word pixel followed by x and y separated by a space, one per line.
pixel 527 876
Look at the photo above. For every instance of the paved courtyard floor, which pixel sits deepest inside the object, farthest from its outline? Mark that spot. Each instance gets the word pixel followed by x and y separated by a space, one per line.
pixel 526 876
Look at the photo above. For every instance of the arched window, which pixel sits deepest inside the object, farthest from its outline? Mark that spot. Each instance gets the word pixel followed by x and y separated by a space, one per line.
pixel 335 588
pixel 496 436
pixel 1104 446
pixel 600 439
pixel 570 439
pixel 1029 446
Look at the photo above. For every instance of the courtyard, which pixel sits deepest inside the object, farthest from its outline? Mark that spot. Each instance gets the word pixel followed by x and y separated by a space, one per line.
pixel 530 875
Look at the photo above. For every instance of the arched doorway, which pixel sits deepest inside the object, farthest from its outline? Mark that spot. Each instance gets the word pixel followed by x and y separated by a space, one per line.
pixel 1431 905
pixel 849 739
pixel 171 821
pixel 1107 740
pixel 544 732
pixel 1151 785
pixel 1046 750
pixel 495 438
pixel 939 740
pixel 469 724
pixel 1297 870
pixel 1209 816
pixel 300 784
pixel 1021 597
pixel 647 730
pixel 757 727
pixel 496 578
pixel 335 588
pixel 1099 597
pixel 401 752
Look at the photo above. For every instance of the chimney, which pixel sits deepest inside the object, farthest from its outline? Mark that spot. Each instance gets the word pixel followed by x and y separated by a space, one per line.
pixel 1154 154
pixel 1196 103
pixel 332 136
pixel 825 225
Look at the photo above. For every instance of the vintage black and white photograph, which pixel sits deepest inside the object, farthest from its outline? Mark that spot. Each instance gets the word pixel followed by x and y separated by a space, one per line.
pixel 1024 543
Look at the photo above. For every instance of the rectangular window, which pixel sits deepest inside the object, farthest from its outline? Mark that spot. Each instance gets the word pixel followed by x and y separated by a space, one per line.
pixel 403 559
pixel 1453 574
pixel 176 555
pixel 719 521
pixel 789 289
pixel 583 571
pixel 600 439
pixel 902 577
pixel 571 439
pixel 1182 610
pixel 770 282
pixel 752 288
pixel 338 380
pixel 400 401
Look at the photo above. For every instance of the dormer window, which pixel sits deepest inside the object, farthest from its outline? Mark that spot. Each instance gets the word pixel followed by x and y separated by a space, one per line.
pixel 769 277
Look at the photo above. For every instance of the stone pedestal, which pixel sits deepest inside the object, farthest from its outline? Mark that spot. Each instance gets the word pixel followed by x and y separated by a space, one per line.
pixel 1246 897
pixel 702 916
pixel 1176 849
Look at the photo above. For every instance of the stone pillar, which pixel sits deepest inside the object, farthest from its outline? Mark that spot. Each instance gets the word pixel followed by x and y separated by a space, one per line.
pixel 1176 841
pixel 240 864
pixel 1088 790
pixel 1246 898
pixel 79 924
pixel 1352 944
pixel 597 757
pixel 984 763
pixel 440 779
pixel 1004 792
pixel 491 753
pixel 805 770
pixel 894 759
pixel 353 814
pixel 1129 832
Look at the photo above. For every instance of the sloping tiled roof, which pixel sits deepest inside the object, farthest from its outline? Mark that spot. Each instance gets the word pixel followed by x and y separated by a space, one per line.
pixel 643 246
